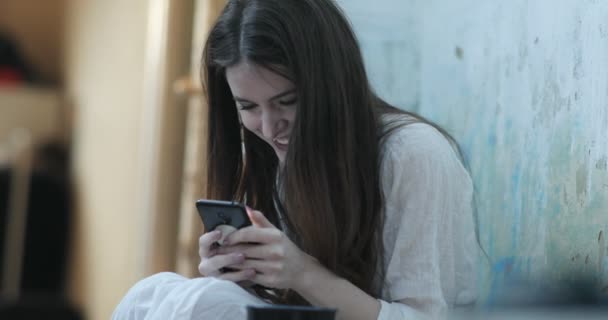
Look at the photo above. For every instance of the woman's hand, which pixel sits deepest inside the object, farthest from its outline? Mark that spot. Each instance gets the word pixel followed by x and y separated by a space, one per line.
pixel 212 262
pixel 278 262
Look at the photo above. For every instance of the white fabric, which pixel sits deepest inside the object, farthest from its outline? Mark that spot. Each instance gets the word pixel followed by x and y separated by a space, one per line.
pixel 169 296
pixel 429 239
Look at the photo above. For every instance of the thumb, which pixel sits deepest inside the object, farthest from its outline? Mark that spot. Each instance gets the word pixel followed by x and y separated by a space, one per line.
pixel 258 219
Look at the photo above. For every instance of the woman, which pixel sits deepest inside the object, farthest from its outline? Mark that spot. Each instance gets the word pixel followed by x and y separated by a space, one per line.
pixel 358 206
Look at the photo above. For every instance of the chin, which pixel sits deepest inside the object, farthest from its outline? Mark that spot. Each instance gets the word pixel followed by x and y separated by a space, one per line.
pixel 281 160
pixel 280 157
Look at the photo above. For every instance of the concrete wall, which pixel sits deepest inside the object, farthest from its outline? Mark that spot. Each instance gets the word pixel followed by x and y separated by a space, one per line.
pixel 523 86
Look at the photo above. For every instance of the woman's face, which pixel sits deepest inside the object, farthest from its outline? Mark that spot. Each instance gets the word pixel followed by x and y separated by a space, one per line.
pixel 266 102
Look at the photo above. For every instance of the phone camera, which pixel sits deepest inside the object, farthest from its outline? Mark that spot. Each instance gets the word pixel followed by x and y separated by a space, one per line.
pixel 222 216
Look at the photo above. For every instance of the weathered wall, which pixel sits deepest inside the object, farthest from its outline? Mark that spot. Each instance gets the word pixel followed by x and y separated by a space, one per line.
pixel 523 86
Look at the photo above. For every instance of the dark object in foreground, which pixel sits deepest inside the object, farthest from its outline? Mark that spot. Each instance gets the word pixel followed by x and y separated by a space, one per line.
pixel 289 313
pixel 39 307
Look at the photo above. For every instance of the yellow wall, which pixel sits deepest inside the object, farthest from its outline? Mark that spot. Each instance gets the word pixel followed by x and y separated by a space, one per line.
pixel 105 70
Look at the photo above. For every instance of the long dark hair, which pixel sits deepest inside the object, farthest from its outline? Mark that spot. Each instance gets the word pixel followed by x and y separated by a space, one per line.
pixel 331 198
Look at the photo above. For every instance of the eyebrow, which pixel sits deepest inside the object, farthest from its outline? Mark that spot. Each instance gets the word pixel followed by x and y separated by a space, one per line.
pixel 280 95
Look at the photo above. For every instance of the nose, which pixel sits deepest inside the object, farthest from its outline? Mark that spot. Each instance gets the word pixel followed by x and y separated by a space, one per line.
pixel 272 123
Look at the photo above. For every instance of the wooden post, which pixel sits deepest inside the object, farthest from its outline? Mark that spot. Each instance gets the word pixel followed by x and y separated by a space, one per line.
pixel 190 225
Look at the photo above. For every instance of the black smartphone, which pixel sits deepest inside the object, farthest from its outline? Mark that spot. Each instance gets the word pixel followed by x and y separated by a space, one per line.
pixel 227 215
pixel 215 213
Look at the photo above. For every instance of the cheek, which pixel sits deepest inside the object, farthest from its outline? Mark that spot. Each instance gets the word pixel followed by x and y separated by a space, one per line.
pixel 250 121
pixel 290 116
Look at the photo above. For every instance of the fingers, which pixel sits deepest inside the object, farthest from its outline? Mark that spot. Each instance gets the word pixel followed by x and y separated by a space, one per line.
pixel 258 271
pixel 260 266
pixel 264 280
pixel 255 251
pixel 238 276
pixel 239 248
pixel 205 243
pixel 210 267
pixel 258 219
pixel 255 235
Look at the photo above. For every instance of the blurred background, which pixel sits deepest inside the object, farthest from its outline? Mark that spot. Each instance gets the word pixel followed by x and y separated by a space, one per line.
pixel 102 129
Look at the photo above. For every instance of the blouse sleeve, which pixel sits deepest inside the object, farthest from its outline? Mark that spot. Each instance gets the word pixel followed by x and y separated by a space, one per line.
pixel 426 190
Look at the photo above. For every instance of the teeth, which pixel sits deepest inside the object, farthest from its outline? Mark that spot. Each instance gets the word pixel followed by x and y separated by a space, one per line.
pixel 282 141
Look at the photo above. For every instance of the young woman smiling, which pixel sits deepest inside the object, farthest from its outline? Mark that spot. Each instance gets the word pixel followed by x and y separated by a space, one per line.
pixel 356 205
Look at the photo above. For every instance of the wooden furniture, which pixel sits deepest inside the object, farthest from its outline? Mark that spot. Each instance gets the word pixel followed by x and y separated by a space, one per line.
pixel 30 117
pixel 39 111
pixel 190 227
pixel 16 154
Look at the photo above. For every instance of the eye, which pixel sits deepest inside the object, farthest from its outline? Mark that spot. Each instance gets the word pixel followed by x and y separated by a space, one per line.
pixel 289 102
pixel 245 107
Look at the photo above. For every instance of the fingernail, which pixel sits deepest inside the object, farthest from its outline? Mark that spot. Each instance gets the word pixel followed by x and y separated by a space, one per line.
pixel 217 234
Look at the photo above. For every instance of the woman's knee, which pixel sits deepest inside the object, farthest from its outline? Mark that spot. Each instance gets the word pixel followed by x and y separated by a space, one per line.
pixel 134 304
pixel 163 293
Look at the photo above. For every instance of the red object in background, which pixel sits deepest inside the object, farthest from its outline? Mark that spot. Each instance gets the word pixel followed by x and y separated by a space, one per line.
pixel 10 77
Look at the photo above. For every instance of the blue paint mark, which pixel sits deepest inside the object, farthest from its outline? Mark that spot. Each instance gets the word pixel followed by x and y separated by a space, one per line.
pixel 516 194
pixel 491 139
pixel 507 274
pixel 501 271
pixel 515 178
pixel 504 265
pixel 556 209
pixel 491 243
pixel 540 200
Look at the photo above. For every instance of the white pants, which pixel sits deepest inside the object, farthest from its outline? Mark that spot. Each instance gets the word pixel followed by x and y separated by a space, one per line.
pixel 169 296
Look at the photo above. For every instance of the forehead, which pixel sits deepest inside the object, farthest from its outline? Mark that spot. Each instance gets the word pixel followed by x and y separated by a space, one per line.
pixel 255 83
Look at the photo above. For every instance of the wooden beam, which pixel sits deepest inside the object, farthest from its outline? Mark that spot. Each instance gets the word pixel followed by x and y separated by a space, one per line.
pixel 190 225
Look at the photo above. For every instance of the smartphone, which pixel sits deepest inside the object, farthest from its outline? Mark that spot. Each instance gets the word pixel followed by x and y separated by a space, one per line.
pixel 215 213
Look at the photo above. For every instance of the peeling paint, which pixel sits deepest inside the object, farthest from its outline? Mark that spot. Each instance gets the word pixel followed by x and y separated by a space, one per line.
pixel 526 98
pixel 458 52
pixel 601 252
pixel 581 182
pixel 602 164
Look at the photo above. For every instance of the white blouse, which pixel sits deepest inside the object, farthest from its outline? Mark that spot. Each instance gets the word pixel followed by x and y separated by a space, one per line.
pixel 429 234
pixel 429 238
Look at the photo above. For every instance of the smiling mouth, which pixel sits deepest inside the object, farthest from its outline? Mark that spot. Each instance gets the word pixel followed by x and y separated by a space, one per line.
pixel 281 140
pixel 282 143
